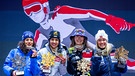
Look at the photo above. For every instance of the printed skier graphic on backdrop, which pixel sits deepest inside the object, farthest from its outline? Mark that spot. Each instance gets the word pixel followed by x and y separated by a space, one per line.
pixel 65 19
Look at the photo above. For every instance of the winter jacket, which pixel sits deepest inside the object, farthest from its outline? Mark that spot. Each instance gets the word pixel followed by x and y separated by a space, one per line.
pixel 75 56
pixel 58 68
pixel 30 67
pixel 107 66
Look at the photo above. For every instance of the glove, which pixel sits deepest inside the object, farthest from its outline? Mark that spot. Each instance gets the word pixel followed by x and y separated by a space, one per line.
pixel 118 24
pixel 74 59
pixel 122 60
pixel 98 53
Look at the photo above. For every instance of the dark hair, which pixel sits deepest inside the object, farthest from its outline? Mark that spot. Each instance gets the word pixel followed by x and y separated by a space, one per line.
pixel 58 44
pixel 22 46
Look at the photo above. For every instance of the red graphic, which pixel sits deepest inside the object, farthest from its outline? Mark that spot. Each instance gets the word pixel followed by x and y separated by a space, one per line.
pixel 66 18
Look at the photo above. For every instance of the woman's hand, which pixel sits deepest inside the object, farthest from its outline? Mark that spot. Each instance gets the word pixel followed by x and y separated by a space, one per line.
pixel 34 54
pixel 63 60
pixel 14 73
pixel 45 67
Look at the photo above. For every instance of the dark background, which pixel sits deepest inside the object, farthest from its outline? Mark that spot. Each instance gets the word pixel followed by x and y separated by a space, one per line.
pixel 13 22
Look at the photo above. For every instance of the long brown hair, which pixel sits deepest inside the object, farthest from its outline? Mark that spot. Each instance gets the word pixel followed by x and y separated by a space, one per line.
pixel 22 46
pixel 85 43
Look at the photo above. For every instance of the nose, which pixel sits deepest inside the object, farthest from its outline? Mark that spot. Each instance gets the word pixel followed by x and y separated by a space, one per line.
pixel 102 41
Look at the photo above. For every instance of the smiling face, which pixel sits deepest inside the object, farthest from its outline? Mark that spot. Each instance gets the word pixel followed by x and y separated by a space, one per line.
pixel 79 40
pixel 54 42
pixel 102 42
pixel 29 42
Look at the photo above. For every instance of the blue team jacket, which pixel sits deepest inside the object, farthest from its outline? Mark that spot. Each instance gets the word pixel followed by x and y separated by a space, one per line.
pixel 31 67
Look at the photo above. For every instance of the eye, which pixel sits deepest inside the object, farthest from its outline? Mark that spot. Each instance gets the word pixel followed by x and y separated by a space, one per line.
pixel 26 39
pixel 31 39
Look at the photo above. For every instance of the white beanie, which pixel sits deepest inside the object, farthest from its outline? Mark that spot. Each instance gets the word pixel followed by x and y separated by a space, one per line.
pixel 101 33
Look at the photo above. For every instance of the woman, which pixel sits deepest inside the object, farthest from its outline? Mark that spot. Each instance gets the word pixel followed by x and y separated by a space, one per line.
pixel 22 60
pixel 78 50
pixel 103 61
pixel 53 56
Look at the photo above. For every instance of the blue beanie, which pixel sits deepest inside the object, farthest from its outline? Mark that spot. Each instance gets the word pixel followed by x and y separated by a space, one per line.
pixel 27 34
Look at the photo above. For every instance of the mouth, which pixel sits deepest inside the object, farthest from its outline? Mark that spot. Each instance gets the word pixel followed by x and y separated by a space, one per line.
pixel 29 45
pixel 53 44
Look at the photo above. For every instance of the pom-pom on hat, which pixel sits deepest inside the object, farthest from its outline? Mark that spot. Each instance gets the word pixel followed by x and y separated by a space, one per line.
pixel 78 32
pixel 27 34
pixel 101 33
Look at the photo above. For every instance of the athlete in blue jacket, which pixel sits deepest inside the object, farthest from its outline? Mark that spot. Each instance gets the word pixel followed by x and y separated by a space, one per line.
pixel 103 61
pixel 23 59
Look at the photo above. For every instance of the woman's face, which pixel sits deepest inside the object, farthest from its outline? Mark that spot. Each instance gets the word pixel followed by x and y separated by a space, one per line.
pixel 29 42
pixel 54 42
pixel 101 42
pixel 79 40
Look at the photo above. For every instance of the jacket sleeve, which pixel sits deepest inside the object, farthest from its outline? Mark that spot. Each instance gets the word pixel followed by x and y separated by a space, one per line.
pixel 62 67
pixel 34 67
pixel 7 67
pixel 95 68
pixel 122 68
pixel 70 68
pixel 39 57
pixel 70 65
